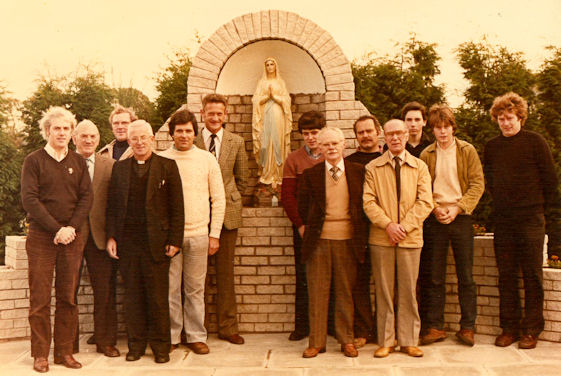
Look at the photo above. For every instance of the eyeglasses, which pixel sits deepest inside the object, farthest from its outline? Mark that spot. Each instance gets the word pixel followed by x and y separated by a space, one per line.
pixel 398 134
pixel 143 138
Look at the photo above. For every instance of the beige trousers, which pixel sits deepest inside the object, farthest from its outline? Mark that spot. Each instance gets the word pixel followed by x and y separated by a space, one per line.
pixel 385 261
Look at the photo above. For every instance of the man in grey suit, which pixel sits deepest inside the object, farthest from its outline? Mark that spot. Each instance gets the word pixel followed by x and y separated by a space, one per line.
pixel 229 149
pixel 102 269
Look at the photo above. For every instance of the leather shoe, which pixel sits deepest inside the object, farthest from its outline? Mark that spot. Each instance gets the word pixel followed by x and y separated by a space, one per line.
pixel 506 339
pixel 200 348
pixel 359 342
pixel 349 350
pixel 382 352
pixel 412 351
pixel 312 352
pixel 236 339
pixel 433 335
pixel 68 361
pixel 41 365
pixel 466 336
pixel 161 358
pixel 91 340
pixel 173 347
pixel 528 341
pixel 109 350
pixel 296 336
pixel 132 356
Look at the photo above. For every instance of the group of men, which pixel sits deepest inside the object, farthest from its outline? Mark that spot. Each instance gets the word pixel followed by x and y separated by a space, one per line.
pixel 416 200
pixel 158 217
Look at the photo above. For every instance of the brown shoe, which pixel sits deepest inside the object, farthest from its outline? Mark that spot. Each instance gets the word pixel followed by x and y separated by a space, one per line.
pixel 382 352
pixel 312 352
pixel 359 342
pixel 528 341
pixel 41 365
pixel 466 336
pixel 110 351
pixel 236 339
pixel 412 351
pixel 200 348
pixel 296 336
pixel 433 335
pixel 349 350
pixel 68 361
pixel 506 339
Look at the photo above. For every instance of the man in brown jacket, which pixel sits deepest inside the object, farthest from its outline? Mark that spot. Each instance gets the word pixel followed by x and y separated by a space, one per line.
pixel 397 199
pixel 102 268
pixel 330 205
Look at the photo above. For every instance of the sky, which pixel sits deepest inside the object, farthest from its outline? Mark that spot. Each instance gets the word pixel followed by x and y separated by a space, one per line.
pixel 131 40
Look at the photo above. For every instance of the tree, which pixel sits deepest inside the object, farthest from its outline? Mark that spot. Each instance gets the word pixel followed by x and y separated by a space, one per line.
pixel 172 85
pixel 385 84
pixel 11 211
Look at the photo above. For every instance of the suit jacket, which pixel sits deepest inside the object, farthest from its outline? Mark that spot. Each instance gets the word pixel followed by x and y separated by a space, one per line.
pixel 233 164
pixel 96 222
pixel 165 218
pixel 311 207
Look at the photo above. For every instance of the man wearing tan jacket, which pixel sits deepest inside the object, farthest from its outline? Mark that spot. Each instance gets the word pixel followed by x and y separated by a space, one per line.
pixel 229 150
pixel 397 199
pixel 457 186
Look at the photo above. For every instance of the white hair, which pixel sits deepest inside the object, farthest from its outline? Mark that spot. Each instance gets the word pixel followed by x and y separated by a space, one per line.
pixel 83 124
pixel 141 124
pixel 338 132
pixel 55 112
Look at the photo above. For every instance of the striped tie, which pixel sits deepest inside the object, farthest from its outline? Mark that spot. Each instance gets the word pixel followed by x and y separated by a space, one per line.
pixel 334 171
pixel 212 147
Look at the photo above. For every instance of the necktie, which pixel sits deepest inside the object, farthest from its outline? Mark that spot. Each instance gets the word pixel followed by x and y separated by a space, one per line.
pixel 397 167
pixel 334 170
pixel 90 164
pixel 212 146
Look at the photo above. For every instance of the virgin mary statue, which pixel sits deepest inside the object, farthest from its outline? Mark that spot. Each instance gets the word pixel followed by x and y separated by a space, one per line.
pixel 272 124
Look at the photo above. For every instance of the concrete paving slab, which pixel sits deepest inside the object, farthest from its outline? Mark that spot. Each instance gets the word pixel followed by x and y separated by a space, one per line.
pixel 229 356
pixel 533 369
pixel 480 354
pixel 544 352
pixel 441 371
pixel 173 372
pixel 259 372
pixel 397 358
pixel 350 372
pixel 293 358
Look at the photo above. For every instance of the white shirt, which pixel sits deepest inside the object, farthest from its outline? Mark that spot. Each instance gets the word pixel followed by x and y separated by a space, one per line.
pixel 340 165
pixel 53 153
pixel 217 140
pixel 90 162
pixel 401 158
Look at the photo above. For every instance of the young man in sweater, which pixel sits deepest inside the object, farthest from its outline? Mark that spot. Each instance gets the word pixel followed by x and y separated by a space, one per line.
pixel 309 125
pixel 367 129
pixel 202 181
pixel 56 194
pixel 522 181
pixel 457 186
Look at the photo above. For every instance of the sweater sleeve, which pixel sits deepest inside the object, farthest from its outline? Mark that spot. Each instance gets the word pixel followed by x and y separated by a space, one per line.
pixel 85 198
pixel 30 195
pixel 217 197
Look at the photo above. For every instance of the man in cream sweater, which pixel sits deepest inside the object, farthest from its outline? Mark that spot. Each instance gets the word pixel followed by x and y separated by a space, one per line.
pixel 202 181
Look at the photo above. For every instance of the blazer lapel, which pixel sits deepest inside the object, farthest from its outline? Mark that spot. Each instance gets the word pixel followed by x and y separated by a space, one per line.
pixel 319 185
pixel 225 148
pixel 154 178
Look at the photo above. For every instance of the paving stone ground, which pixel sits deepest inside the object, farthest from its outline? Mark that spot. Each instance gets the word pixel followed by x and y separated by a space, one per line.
pixel 274 355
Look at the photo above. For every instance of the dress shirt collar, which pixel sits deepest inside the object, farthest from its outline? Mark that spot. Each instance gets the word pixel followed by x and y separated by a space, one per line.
pixel 53 153
pixel 340 165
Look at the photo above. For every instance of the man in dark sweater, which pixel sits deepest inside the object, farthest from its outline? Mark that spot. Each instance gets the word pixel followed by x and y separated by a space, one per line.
pixel 367 130
pixel 414 115
pixel 56 194
pixel 522 181
pixel 145 222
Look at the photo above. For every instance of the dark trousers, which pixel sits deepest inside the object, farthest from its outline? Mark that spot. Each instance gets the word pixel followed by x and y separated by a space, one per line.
pixel 226 307
pixel 364 325
pixel 146 296
pixel 301 321
pixel 438 237
pixel 43 257
pixel 519 245
pixel 102 270
pixel 331 260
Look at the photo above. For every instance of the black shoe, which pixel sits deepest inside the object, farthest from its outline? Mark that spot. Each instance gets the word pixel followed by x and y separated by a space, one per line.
pixel 161 358
pixel 132 356
pixel 91 340
pixel 296 336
